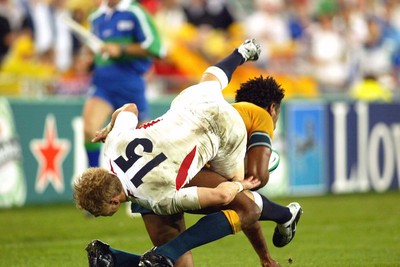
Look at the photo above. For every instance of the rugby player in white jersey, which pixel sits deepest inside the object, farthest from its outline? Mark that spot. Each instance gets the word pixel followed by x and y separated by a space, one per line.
pixel 150 165
pixel 100 252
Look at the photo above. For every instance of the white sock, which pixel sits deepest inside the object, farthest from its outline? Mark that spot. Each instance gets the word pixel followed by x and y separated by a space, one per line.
pixel 257 199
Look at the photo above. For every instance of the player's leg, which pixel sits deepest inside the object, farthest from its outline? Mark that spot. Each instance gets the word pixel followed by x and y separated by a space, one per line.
pixel 101 254
pixel 208 229
pixel 231 131
pixel 96 112
pixel 134 91
pixel 247 211
pixel 286 218
pixel 224 69
pixel 199 93
pixel 255 235
pixel 272 211
pixel 230 128
pixel 162 229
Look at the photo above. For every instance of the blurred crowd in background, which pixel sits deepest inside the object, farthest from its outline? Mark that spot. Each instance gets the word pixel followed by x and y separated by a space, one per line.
pixel 347 49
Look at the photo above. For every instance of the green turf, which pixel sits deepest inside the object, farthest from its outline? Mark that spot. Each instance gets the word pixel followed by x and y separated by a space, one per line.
pixel 348 230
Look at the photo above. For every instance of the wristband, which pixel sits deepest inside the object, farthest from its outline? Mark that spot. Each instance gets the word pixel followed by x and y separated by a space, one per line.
pixel 240 186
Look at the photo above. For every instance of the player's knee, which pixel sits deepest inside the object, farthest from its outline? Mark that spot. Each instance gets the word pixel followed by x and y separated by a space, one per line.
pixel 186 260
pixel 162 233
pixel 89 130
pixel 163 237
pixel 246 208
pixel 249 214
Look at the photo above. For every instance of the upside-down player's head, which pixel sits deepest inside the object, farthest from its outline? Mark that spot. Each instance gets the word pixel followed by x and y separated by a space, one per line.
pixel 263 92
pixel 97 191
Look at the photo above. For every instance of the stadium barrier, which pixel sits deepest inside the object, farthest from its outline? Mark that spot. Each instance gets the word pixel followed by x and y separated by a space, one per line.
pixel 325 147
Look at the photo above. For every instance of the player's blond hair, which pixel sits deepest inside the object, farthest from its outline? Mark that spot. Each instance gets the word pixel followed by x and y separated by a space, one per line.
pixel 94 189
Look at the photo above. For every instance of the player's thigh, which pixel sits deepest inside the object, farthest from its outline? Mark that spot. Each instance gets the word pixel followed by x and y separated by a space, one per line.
pixel 207 178
pixel 229 161
pixel 162 228
pixel 96 112
pixel 133 93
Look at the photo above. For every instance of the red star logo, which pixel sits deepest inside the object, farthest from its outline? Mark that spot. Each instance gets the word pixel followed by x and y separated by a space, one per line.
pixel 50 152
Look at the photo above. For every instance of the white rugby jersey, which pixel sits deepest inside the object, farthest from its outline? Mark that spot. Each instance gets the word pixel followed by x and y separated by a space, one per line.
pixel 155 161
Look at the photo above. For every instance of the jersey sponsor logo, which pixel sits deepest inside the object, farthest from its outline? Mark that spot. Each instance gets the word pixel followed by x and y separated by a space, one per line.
pixel 107 33
pixel 146 146
pixel 125 25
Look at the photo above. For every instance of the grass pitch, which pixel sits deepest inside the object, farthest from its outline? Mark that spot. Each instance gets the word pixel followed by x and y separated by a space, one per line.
pixel 347 230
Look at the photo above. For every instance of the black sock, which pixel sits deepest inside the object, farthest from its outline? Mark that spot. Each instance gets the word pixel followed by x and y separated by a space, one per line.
pixel 124 259
pixel 230 63
pixel 274 212
pixel 208 229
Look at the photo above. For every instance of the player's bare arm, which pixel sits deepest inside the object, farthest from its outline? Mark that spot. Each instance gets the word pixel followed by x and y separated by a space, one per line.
pixel 215 73
pixel 257 163
pixel 225 192
pixel 132 49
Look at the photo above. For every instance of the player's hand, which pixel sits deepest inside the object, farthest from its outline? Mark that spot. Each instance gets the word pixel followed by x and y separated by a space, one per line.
pixel 250 183
pixel 102 134
pixel 112 49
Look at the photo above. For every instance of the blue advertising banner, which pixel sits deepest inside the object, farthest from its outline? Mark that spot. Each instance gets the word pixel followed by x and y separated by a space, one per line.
pixel 364 147
pixel 306 146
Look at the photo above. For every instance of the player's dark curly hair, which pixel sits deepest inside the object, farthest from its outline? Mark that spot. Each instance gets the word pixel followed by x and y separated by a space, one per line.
pixel 260 91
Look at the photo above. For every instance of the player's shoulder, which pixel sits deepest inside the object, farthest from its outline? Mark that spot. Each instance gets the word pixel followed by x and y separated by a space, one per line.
pixel 132 7
pixel 249 108
pixel 255 118
pixel 243 104
pixel 95 14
